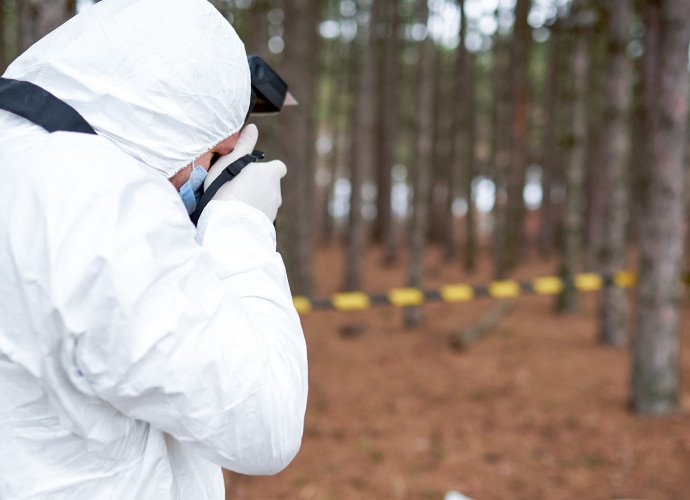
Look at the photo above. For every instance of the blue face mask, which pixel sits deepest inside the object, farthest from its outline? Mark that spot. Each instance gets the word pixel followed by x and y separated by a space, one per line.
pixel 190 192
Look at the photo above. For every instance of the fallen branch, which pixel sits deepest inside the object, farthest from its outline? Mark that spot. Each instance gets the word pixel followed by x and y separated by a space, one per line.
pixel 462 340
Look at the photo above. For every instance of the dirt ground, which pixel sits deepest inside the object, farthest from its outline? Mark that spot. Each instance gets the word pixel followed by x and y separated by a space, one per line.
pixel 536 409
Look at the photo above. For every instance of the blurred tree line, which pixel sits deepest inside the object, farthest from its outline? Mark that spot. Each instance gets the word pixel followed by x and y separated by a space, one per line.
pixel 455 122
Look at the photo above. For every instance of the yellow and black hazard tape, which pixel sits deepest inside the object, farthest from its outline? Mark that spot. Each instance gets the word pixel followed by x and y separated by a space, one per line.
pixel 461 292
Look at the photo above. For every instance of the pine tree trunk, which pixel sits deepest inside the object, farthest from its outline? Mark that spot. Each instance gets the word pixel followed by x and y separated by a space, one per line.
pixel 500 150
pixel 4 59
pixel 546 219
pixel 259 28
pixel 422 170
pixel 469 170
pixel 37 18
pixel 573 220
pixel 515 214
pixel 387 226
pixel 611 255
pixel 655 376
pixel 439 215
pixel 457 106
pixel 361 165
pixel 595 190
pixel 295 217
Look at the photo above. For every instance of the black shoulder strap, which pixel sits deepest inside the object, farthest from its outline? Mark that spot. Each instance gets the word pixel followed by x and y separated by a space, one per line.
pixel 41 107
pixel 229 173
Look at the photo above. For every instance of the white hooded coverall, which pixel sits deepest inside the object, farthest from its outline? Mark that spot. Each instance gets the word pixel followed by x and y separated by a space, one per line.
pixel 138 353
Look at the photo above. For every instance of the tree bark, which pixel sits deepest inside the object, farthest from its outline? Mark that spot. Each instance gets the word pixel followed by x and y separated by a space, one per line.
pixel 295 218
pixel 573 217
pixel 37 18
pixel 361 163
pixel 549 148
pixel 440 161
pixel 611 254
pixel 3 33
pixel 515 214
pixel 595 190
pixel 457 106
pixel 389 112
pixel 500 148
pixel 260 27
pixel 469 170
pixel 655 385
pixel 422 170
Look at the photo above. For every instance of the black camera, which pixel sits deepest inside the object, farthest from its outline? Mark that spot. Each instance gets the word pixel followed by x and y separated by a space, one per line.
pixel 269 91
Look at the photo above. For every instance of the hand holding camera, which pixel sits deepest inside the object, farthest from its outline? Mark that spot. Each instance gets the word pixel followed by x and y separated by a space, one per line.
pixel 245 145
pixel 257 184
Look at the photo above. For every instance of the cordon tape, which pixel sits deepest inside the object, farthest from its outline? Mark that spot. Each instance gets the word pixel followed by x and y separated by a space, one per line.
pixel 462 292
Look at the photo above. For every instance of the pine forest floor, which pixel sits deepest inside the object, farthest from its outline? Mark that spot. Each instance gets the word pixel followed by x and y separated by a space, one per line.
pixel 535 409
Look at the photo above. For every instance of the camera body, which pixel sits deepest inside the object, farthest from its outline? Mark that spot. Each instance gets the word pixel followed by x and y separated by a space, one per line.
pixel 269 91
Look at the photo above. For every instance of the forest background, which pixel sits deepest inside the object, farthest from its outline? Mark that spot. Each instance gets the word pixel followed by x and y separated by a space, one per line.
pixel 483 131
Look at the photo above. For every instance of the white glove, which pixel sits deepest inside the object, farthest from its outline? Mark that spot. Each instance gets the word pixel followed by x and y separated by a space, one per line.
pixel 258 185
pixel 246 143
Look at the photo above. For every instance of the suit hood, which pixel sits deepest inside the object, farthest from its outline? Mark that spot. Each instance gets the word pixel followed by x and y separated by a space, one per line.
pixel 165 80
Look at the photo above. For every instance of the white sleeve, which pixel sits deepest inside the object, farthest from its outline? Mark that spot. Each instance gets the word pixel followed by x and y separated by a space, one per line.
pixel 195 333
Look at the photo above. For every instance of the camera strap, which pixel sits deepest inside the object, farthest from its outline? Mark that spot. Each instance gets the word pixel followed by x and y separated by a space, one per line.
pixel 39 106
pixel 228 173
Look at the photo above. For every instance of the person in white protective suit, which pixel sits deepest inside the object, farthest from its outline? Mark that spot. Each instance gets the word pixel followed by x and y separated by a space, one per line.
pixel 139 353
